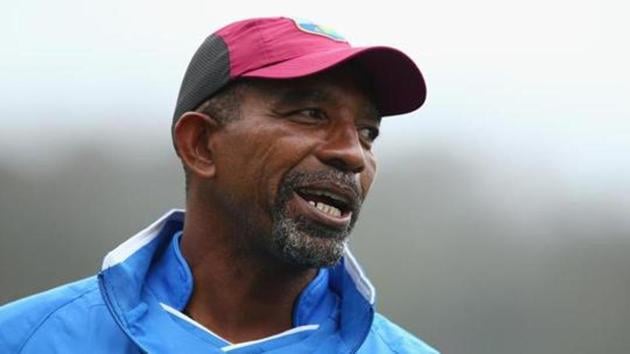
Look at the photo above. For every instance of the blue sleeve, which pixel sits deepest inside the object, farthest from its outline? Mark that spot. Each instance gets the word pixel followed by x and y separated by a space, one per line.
pixel 19 320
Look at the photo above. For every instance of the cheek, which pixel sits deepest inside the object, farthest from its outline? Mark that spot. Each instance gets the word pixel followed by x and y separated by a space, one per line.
pixel 266 154
pixel 282 155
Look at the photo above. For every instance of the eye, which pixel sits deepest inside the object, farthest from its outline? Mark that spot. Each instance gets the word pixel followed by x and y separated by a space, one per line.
pixel 369 134
pixel 312 113
pixel 307 115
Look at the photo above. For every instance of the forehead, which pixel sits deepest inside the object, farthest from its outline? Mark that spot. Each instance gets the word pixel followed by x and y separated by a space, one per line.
pixel 335 86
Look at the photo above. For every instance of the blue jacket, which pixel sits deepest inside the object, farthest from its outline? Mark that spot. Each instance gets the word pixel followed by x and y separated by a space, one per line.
pixel 134 305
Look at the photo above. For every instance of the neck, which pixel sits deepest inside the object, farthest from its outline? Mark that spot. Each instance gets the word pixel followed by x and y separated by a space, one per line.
pixel 237 294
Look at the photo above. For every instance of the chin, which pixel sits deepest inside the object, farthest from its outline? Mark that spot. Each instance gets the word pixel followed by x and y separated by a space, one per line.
pixel 310 247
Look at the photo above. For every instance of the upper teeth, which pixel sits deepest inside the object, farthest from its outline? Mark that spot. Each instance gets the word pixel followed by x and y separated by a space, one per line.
pixel 327 194
pixel 328 209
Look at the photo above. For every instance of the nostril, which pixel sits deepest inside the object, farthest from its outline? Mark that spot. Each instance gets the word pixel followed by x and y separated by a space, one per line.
pixel 346 165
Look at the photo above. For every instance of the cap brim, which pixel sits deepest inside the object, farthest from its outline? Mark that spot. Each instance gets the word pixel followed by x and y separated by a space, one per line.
pixel 397 82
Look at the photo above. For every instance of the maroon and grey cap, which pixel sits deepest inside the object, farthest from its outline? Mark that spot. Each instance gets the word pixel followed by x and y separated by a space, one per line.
pixel 284 48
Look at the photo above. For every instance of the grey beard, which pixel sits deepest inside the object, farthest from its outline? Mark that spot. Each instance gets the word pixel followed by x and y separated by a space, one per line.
pixel 300 241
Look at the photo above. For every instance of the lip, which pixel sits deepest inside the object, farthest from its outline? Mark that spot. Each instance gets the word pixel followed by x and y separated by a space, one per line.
pixel 348 194
pixel 303 207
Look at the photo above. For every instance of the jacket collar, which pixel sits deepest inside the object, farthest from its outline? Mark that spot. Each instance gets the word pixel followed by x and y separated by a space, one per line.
pixel 146 270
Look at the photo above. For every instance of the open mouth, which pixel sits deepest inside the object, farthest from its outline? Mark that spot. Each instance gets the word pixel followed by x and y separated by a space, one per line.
pixel 330 203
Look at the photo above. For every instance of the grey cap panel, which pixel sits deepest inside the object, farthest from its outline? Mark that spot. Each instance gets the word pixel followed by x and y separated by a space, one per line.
pixel 208 71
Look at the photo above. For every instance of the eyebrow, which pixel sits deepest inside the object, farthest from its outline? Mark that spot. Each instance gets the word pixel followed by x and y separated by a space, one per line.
pixel 292 96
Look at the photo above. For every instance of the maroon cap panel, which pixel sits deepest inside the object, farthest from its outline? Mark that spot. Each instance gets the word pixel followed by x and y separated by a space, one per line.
pixel 258 43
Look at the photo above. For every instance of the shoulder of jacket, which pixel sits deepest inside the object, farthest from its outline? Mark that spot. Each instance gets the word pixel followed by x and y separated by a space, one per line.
pixel 398 339
pixel 20 320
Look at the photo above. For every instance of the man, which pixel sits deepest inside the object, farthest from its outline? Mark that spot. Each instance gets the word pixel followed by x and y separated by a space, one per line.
pixel 274 126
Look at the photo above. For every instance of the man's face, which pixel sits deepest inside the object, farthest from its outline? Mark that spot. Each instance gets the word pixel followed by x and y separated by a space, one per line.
pixel 294 170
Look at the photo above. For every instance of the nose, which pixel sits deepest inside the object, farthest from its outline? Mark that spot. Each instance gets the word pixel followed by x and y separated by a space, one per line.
pixel 343 150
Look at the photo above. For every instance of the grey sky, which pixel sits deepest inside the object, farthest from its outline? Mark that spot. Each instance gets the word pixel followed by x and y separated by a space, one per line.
pixel 540 83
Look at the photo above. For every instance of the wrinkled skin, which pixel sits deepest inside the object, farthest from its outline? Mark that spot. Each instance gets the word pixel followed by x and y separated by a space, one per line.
pixel 291 133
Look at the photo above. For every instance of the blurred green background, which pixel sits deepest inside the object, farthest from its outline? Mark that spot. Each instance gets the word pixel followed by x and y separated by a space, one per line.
pixel 499 218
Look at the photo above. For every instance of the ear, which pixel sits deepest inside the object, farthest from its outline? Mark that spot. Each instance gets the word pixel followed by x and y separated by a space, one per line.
pixel 193 140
